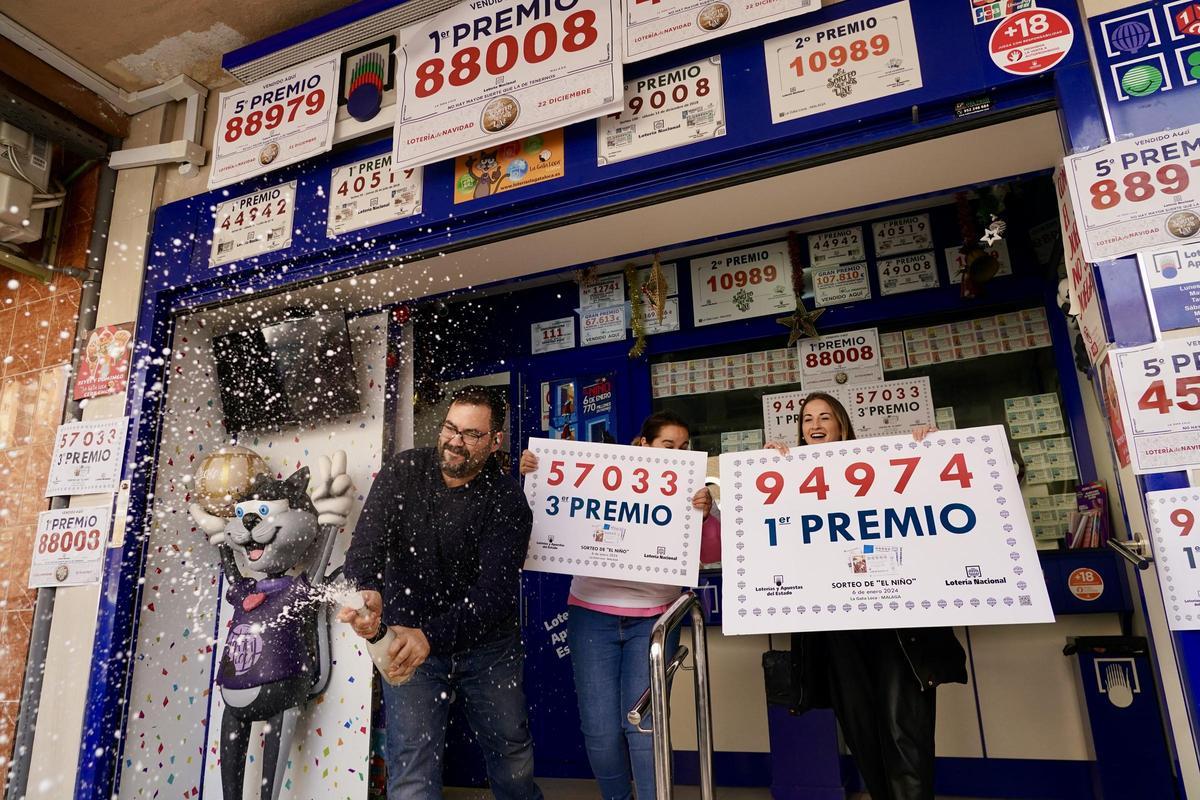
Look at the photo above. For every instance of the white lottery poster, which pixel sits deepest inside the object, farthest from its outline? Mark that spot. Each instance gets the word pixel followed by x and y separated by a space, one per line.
pixel 480 74
pixel 890 407
pixel 670 320
pixel 551 335
pixel 664 110
pixel 615 511
pixel 660 26
pixel 1158 389
pixel 740 284
pixel 842 62
pixel 907 273
pixel 253 224
pixel 902 235
pixel 838 359
pixel 956 262
pixel 602 291
pixel 280 120
pixel 781 417
pixel 886 533
pixel 1173 515
pixel 1172 277
pixel 370 192
pixel 87 457
pixel 68 548
pixel 600 325
pixel 840 246
pixel 1137 193
pixel 840 283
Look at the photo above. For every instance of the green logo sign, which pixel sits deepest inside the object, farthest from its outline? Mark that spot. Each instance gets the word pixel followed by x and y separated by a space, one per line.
pixel 1142 80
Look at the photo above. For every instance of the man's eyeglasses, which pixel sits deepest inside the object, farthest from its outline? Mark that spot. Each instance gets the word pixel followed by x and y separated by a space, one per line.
pixel 469 437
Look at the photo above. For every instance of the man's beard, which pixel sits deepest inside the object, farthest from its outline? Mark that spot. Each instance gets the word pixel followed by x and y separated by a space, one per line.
pixel 467 466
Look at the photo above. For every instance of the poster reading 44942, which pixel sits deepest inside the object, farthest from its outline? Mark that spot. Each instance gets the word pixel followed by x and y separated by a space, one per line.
pixel 484 72
pixel 842 62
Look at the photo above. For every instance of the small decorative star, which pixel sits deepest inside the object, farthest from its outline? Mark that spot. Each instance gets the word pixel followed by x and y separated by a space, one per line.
pixel 802 323
pixel 995 231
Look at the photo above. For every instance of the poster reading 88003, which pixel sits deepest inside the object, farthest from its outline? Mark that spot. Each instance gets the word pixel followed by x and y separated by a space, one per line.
pixel 653 27
pixel 491 71
pixel 842 62
pixel 614 511
pixel 885 533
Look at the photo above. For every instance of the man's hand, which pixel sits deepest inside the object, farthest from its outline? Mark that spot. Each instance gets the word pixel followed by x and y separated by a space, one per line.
pixel 408 651
pixel 529 462
pixel 702 500
pixel 365 623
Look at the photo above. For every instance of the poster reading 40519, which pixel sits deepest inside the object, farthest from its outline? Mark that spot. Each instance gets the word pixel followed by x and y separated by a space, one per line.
pixel 487 71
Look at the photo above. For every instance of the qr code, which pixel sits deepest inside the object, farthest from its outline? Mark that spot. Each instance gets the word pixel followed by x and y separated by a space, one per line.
pixel 1026 600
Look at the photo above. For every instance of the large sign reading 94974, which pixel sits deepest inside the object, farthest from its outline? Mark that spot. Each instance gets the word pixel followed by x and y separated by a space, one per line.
pixel 1137 193
pixel 495 71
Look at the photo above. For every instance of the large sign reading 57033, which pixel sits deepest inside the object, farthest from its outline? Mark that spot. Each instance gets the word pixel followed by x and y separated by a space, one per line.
pixel 495 70
pixel 1137 193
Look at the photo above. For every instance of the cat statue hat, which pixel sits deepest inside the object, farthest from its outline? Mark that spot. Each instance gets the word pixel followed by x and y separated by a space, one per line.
pixel 276 656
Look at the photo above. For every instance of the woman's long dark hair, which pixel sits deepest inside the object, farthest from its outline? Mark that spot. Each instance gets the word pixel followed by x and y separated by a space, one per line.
pixel 659 420
pixel 839 413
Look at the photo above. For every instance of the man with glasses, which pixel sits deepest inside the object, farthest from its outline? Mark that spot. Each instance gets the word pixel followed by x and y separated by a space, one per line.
pixel 437 554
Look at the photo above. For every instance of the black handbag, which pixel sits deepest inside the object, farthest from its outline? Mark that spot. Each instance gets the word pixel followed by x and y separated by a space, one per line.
pixel 777 675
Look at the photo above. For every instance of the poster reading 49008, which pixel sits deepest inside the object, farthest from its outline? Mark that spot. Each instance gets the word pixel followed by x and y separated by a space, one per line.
pixel 486 71
pixel 842 62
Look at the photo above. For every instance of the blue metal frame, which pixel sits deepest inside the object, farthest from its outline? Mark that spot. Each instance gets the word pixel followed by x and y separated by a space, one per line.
pixel 178 277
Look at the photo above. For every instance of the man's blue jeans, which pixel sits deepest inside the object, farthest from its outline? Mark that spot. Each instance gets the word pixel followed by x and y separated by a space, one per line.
pixel 611 659
pixel 488 680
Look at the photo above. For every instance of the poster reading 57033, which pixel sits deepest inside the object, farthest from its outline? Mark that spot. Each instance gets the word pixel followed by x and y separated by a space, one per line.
pixel 487 71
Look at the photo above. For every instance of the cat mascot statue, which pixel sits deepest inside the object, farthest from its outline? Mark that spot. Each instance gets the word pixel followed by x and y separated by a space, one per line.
pixel 276 655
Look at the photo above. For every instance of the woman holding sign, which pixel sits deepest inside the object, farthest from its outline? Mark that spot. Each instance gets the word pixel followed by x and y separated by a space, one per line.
pixel 881 684
pixel 609 633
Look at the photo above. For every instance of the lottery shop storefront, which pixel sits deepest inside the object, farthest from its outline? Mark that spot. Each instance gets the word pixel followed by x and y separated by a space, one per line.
pixel 611 267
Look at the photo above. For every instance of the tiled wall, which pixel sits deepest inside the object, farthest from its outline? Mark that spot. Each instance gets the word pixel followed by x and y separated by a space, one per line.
pixel 37 331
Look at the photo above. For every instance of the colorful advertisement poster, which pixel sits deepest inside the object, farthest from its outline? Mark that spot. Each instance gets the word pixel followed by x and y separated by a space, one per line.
pixel 479 74
pixel 838 359
pixel 654 27
pixel 740 284
pixel 254 224
pixel 88 457
pixel 551 335
pixel 902 235
pixel 891 534
pixel 104 368
pixel 1172 276
pixel 68 547
pixel 615 511
pixel 1173 515
pixel 842 62
pixel 1081 281
pixel 564 410
pixel 840 283
pixel 1137 194
pixel 907 273
pixel 370 192
pixel 1031 42
pixel 840 246
pixel 597 419
pixel 535 159
pixel 1112 409
pixel 956 263
pixel 1158 387
pixel 283 119
pixel 665 110
pixel 985 11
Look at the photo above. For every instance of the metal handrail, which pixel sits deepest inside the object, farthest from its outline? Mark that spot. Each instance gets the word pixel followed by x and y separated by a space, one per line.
pixel 1133 551
pixel 659 696
pixel 638 712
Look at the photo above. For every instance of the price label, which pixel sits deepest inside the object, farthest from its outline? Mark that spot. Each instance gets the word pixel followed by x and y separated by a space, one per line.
pixel 68 547
pixel 600 325
pixel 284 119
pixel 842 62
pixel 478 74
pixel 653 27
pixel 615 511
pixel 664 110
pixel 370 192
pixel 1137 193
pixel 956 262
pixel 841 246
pixel 1173 526
pixel 841 283
pixel 907 273
pixel 888 534
pixel 87 457
pixel 740 284
pixel 902 235
pixel 254 224
pixel 838 359
pixel 554 334
pixel 889 407
pixel 1159 396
